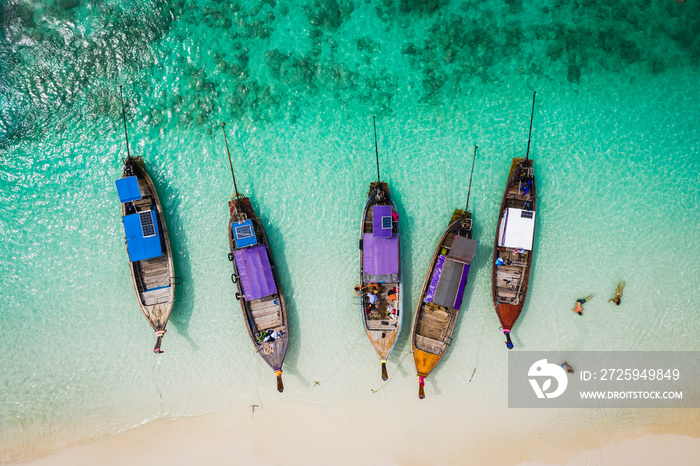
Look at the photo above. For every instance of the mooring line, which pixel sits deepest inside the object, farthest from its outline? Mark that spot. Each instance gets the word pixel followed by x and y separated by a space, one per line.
pixel 155 361
pixel 339 366
pixel 392 375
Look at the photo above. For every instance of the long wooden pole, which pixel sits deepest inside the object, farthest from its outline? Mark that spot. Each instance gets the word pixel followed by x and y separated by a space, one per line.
pixel 466 209
pixel 376 148
pixel 527 155
pixel 223 125
pixel 124 118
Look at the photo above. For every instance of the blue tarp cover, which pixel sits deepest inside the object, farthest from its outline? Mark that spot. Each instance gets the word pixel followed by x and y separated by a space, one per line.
pixel 244 234
pixel 141 248
pixel 128 189
pixel 254 272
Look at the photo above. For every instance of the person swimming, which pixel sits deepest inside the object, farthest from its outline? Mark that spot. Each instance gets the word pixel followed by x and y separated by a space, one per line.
pixel 618 293
pixel 578 309
pixel 567 367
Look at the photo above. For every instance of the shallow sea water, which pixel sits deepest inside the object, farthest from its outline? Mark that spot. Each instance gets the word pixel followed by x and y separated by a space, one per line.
pixel 615 144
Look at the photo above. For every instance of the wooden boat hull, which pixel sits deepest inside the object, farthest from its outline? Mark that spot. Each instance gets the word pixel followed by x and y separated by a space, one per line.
pixel 508 314
pixel 153 279
pixel 381 324
pixel 425 362
pixel 264 314
pixel 509 282
pixel 433 324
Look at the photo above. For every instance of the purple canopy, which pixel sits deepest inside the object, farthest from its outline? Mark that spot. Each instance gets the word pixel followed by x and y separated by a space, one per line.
pixel 380 255
pixel 460 290
pixel 435 279
pixel 381 221
pixel 254 272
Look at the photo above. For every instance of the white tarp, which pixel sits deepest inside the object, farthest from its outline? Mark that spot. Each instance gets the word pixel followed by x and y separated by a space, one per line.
pixel 517 229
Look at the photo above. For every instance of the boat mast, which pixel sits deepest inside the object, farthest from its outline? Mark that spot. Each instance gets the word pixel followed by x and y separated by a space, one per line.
pixel 124 118
pixel 527 155
pixel 376 149
pixel 223 125
pixel 466 209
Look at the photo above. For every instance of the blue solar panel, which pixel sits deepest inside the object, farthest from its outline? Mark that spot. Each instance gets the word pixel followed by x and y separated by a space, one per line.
pixel 243 232
pixel 381 221
pixel 147 227
pixel 140 247
pixel 386 223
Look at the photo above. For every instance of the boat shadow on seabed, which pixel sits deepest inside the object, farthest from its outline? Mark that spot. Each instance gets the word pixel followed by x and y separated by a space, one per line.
pixel 278 247
pixel 184 297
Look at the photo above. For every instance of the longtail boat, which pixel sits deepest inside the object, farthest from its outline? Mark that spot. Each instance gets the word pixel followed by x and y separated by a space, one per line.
pixel 513 247
pixel 256 279
pixel 380 291
pixel 147 243
pixel 442 293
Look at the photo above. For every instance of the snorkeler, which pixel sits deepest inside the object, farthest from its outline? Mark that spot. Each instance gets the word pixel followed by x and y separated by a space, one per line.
pixel 579 304
pixel 618 293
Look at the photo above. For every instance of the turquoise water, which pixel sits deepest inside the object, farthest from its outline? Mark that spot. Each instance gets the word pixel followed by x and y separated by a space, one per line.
pixel 615 144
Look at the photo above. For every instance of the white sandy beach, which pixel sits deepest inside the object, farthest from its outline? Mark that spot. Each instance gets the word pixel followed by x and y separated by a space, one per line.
pixel 302 433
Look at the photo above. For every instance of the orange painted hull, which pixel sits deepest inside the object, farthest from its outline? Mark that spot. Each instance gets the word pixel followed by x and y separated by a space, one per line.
pixel 425 362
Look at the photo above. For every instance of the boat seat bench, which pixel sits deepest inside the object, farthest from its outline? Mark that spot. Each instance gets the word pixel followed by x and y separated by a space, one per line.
pixel 161 295
pixel 429 345
pixel 382 324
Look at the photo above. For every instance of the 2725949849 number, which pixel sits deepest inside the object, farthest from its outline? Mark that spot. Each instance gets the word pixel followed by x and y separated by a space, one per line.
pixel 637 374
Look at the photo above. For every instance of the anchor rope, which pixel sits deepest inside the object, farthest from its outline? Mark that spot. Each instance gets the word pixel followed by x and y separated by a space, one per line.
pixel 392 375
pixel 478 348
pixel 155 385
pixel 257 392
pixel 339 366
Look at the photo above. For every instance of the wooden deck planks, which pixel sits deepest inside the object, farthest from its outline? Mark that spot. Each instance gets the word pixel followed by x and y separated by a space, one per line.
pixel 429 345
pixel 266 314
pixel 267 322
pixel 155 272
pixel 448 241
pixel 383 341
pixel 145 189
pixel 162 295
pixel 433 322
pixel 386 325
pixel 508 283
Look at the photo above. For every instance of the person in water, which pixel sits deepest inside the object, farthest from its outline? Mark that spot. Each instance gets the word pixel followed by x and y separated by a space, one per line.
pixel 579 304
pixel 618 293
pixel 565 365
